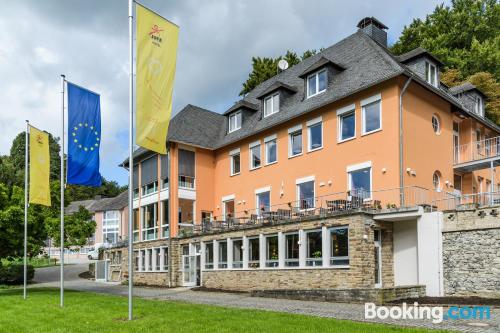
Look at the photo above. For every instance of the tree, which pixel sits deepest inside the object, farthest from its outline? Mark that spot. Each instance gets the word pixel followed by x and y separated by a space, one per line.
pixel 465 38
pixel 78 228
pixel 265 68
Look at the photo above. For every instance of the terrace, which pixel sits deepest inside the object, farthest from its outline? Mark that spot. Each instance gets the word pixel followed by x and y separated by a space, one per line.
pixel 477 155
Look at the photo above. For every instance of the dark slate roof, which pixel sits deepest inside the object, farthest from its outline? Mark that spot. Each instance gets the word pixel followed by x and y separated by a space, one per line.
pixel 242 104
pixel 117 203
pixel 322 62
pixel 87 204
pixel 141 153
pixel 275 86
pixel 463 88
pixel 419 51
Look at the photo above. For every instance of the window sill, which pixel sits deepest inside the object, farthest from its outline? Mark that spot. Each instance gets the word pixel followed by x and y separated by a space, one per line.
pixel 371 132
pixel 316 94
pixel 257 168
pixel 235 130
pixel 187 188
pixel 315 149
pixel 292 156
pixel 345 140
pixel 271 163
pixel 235 174
pixel 277 268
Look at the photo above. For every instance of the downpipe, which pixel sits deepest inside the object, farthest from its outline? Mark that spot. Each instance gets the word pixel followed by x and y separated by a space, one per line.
pixel 401 173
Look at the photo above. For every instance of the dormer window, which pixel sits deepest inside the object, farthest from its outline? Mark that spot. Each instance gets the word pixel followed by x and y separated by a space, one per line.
pixel 271 104
pixel 234 121
pixel 316 83
pixel 478 105
pixel 431 74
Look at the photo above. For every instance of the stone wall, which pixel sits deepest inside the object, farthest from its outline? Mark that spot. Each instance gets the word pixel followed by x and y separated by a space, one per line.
pixel 471 253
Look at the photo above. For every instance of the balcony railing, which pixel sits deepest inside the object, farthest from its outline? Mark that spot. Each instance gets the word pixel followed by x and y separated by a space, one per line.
pixel 466 201
pixel 477 150
pixel 186 182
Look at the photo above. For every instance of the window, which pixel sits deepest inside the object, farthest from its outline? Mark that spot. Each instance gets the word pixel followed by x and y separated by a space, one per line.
pixel 235 162
pixel 157 261
pixel 305 194
pixel 186 165
pixel 295 148
pixel 457 182
pixel 271 149
pixel 263 202
pixel 371 114
pixel 360 181
pixel 110 226
pixel 292 250
pixel 272 251
pixel 136 193
pixel 209 256
pixel 316 83
pixel 431 73
pixel 149 214
pixel 253 253
pixel 223 254
pixel 255 161
pixel 436 181
pixel 339 242
pixel 150 188
pixel 164 253
pixel 186 211
pixel 165 218
pixel 143 260
pixel 315 134
pixel 237 253
pixel 136 225
pixel 149 260
pixel 478 105
pixel 271 105
pixel 436 125
pixel 136 260
pixel 347 123
pixel 228 209
pixel 234 122
pixel 314 248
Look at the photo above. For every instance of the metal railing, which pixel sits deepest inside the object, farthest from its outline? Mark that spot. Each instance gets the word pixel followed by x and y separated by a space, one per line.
pixel 450 201
pixel 477 150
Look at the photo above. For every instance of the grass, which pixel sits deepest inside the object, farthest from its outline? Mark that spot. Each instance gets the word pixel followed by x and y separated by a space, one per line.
pixel 35 262
pixel 89 312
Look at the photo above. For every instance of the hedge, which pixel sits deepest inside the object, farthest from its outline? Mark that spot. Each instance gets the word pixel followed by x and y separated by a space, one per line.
pixel 14 273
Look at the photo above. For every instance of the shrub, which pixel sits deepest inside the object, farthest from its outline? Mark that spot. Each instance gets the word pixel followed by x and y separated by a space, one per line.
pixel 14 273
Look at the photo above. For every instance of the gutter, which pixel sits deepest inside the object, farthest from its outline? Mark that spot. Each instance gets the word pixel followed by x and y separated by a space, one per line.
pixel 401 174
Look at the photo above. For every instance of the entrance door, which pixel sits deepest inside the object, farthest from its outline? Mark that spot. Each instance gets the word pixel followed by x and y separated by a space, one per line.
pixel 189 270
pixel 377 237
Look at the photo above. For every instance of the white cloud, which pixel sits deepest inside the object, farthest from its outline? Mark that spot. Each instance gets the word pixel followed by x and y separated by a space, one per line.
pixel 45 55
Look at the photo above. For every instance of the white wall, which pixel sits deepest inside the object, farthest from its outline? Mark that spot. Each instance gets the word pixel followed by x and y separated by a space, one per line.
pixel 430 245
pixel 405 253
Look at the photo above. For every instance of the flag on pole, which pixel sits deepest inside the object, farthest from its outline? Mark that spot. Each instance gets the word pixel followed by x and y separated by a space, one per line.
pixel 39 167
pixel 84 136
pixel 156 59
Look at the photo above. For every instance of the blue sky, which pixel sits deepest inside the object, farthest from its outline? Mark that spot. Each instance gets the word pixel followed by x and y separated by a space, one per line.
pixel 88 41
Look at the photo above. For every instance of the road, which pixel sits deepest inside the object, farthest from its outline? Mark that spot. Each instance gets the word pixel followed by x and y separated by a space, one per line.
pixel 49 277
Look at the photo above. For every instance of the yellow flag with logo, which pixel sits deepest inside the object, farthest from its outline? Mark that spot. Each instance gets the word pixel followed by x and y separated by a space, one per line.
pixel 39 167
pixel 156 59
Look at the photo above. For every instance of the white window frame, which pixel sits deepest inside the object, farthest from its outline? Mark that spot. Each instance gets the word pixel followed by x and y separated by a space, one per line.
pixel 428 76
pixel 110 229
pixel 300 181
pixel 273 263
pixel 288 260
pixel 316 74
pixel 368 101
pixel 439 186
pixel 273 109
pixel 332 258
pixel 478 105
pixel 236 126
pixel 267 140
pixel 250 148
pixel 257 203
pixel 310 258
pixel 232 154
pixel 311 123
pixel 435 118
pixel 291 132
pixel 357 167
pixel 341 113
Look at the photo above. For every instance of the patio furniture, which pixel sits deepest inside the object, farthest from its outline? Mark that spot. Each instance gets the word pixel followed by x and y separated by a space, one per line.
pixel 284 214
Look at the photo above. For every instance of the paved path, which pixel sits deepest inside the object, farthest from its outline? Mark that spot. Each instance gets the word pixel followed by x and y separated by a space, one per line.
pixel 49 277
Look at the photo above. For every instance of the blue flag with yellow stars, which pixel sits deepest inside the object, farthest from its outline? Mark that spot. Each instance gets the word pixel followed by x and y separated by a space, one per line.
pixel 84 136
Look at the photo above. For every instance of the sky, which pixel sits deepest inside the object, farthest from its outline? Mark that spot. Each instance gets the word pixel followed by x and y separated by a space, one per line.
pixel 87 40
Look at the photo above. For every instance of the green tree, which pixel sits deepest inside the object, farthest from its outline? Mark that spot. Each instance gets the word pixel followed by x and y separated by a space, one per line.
pixel 265 68
pixel 78 227
pixel 465 37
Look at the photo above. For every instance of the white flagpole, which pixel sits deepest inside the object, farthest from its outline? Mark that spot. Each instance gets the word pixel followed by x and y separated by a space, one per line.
pixel 130 161
pixel 26 168
pixel 62 190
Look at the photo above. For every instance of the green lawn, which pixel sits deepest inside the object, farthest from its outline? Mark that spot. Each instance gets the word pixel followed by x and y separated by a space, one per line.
pixel 88 312
pixel 35 262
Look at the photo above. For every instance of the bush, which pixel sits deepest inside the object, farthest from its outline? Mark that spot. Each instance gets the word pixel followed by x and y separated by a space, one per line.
pixel 14 273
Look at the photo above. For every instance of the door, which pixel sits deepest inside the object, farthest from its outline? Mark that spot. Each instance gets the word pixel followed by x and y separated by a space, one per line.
pixel 228 207
pixel 189 270
pixel 377 237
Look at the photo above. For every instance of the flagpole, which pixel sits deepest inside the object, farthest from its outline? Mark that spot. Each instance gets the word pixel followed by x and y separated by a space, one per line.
pixel 62 190
pixel 26 166
pixel 130 161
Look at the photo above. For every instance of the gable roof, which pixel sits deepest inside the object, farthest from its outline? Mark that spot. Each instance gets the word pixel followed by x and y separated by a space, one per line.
pixel 419 51
pixel 321 62
pixel 74 206
pixel 242 104
pixel 117 203
pixel 275 86
pixel 467 86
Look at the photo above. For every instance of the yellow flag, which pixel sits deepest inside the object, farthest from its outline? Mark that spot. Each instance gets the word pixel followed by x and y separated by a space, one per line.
pixel 156 57
pixel 39 167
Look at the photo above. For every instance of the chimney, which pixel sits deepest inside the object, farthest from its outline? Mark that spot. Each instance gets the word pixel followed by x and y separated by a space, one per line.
pixel 375 29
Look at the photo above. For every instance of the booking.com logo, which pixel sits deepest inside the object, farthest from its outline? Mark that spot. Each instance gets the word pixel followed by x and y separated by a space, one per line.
pixel 435 313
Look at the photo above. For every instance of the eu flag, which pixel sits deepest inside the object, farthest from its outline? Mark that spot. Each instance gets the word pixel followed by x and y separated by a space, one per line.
pixel 84 136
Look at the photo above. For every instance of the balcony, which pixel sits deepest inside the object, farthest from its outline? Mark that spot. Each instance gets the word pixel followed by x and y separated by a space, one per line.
pixel 477 155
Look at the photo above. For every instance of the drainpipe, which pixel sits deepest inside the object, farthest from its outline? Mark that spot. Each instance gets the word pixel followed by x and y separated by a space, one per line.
pixel 401 174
